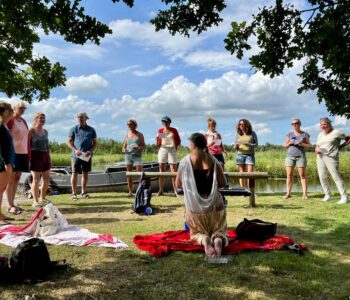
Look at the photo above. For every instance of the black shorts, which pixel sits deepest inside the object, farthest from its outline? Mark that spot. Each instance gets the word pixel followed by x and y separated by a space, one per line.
pixel 21 163
pixel 220 158
pixel 79 165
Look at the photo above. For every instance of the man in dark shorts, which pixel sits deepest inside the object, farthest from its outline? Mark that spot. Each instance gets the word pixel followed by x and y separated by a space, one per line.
pixel 82 142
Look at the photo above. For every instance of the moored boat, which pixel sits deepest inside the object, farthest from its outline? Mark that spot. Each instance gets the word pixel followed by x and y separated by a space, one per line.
pixel 111 179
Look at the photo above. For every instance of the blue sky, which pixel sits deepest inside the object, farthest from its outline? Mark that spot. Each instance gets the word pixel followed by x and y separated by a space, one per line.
pixel 137 72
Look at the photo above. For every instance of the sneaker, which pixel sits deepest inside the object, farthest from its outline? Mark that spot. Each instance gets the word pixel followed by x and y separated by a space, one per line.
pixel 343 200
pixel 326 198
pixel 85 195
pixel 74 197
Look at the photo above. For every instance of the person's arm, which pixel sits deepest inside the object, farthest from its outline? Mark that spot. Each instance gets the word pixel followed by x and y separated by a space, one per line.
pixel 220 177
pixel 94 144
pixel 70 144
pixel 158 139
pixel 177 138
pixel 255 143
pixel 207 138
pixel 305 143
pixel 5 145
pixel 236 144
pixel 124 145
pixel 347 142
pixel 287 142
pixel 178 180
pixel 142 145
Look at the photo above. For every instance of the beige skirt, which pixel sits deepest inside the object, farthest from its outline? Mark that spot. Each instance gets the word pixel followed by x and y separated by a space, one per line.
pixel 210 224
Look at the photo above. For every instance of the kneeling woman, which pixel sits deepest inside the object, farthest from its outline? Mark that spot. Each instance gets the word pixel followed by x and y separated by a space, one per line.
pixel 200 175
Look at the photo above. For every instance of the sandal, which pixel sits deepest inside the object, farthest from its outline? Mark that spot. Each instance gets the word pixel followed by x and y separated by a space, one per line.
pixel 36 205
pixel 4 222
pixel 44 202
pixel 14 210
pixel 85 195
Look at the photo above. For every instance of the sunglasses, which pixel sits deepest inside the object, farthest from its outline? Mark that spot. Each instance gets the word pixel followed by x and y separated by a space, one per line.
pixel 294 124
pixel 130 124
pixel 240 124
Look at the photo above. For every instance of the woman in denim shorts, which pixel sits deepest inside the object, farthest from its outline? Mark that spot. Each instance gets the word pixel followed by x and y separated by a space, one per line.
pixel 296 142
pixel 245 143
pixel 134 144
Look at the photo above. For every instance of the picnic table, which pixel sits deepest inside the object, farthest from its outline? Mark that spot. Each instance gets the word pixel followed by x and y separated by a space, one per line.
pixel 252 176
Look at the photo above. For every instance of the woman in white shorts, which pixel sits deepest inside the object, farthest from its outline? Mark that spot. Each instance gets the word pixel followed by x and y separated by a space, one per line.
pixel 168 140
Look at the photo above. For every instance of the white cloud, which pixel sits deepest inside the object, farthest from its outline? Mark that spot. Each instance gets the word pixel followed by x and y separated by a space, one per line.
pixel 69 52
pixel 125 69
pixel 338 120
pixel 227 98
pixel 213 60
pixel 144 34
pixel 152 72
pixel 85 84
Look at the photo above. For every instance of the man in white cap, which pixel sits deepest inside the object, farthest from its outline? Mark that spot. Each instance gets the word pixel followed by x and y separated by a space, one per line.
pixel 82 142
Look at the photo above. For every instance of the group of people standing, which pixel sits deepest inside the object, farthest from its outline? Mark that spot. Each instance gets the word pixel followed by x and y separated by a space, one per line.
pixel 200 174
pixel 23 149
pixel 328 143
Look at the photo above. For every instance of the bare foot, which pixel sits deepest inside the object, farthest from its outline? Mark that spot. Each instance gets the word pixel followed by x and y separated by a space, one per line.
pixel 208 247
pixel 218 246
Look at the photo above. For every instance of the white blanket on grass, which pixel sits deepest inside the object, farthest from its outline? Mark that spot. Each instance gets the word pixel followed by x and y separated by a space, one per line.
pixel 67 235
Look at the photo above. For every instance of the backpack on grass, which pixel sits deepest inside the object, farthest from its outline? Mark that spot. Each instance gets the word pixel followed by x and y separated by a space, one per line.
pixel 143 195
pixel 256 229
pixel 31 261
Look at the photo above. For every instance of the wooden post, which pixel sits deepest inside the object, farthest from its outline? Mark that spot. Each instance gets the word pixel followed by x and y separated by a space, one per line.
pixel 252 190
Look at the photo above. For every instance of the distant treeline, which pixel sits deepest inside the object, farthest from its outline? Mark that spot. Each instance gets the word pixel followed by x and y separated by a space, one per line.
pixel 110 146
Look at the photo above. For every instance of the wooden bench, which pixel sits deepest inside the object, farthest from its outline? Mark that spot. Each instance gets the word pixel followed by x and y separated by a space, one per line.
pixel 252 176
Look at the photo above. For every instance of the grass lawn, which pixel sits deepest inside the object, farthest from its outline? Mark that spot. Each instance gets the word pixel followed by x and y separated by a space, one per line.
pixel 100 273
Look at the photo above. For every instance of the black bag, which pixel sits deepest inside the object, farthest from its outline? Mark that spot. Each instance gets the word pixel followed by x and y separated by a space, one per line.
pixel 31 261
pixel 143 195
pixel 256 230
pixel 5 271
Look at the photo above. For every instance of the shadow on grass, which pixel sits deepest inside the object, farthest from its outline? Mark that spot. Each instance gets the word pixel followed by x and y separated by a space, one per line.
pixel 102 203
pixel 96 220
pixel 258 275
pixel 322 273
pixel 279 206
pixel 92 209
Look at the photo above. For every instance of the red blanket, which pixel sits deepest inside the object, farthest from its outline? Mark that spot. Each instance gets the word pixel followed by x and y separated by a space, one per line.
pixel 162 243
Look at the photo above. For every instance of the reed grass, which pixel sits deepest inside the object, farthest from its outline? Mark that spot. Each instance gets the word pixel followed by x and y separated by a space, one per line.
pixel 271 161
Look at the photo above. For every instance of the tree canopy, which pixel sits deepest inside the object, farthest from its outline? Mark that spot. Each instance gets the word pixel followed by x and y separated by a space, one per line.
pixel 319 36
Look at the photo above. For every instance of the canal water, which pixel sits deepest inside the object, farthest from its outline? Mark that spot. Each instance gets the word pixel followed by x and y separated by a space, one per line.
pixel 278 185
